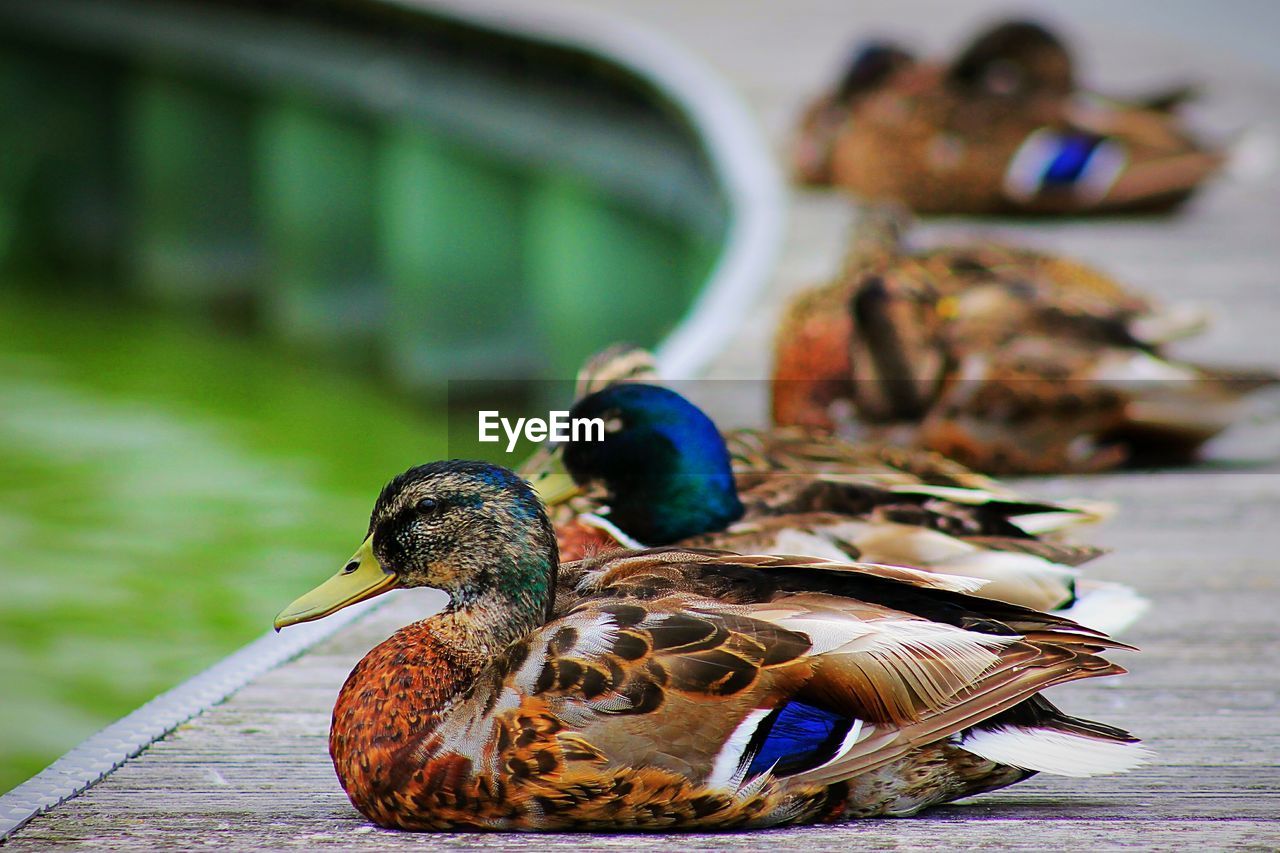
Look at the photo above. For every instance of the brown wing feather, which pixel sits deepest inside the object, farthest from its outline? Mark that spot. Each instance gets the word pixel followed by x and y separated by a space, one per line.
pixel 1025 668
pixel 798 450
pixel 1059 552
pixel 910 680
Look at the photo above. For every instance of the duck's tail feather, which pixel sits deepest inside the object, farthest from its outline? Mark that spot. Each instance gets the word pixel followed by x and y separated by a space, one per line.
pixel 1057 750
pixel 1104 606
pixel 1063 553
pixel 1035 735
pixel 1240 380
pixel 1070 514
pixel 1174 407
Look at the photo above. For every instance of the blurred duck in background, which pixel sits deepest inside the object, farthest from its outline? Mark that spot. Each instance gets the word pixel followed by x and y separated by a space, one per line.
pixel 665 475
pixel 1002 128
pixel 1005 359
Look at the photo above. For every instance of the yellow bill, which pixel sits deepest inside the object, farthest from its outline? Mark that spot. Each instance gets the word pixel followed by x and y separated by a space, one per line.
pixel 545 472
pixel 363 577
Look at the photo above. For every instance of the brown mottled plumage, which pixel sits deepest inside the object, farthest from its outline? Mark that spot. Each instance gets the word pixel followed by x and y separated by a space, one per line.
pixel 798 450
pixel 1002 127
pixel 651 696
pixel 1004 359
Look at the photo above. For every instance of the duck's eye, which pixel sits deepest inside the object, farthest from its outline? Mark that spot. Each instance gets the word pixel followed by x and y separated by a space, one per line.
pixel 427 506
pixel 613 422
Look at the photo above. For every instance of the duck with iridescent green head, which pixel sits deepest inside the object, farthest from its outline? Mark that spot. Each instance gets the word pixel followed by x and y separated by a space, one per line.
pixel 663 475
pixel 680 690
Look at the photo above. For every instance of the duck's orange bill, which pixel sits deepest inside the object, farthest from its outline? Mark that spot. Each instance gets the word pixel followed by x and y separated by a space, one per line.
pixel 362 577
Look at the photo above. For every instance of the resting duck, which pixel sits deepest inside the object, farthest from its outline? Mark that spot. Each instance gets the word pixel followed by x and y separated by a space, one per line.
pixel 804 450
pixel 663 476
pixel 680 690
pixel 1003 127
pixel 1007 360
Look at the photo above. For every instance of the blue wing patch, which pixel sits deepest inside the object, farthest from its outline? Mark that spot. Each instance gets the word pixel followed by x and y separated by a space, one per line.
pixel 795 738
pixel 1083 164
pixel 1074 152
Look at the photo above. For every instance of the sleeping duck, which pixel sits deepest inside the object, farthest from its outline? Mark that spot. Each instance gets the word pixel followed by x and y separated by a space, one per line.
pixel 663 475
pixel 1005 359
pixel 1004 127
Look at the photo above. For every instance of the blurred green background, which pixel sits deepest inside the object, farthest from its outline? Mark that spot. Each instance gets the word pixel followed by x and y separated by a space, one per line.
pixel 164 490
pixel 243 250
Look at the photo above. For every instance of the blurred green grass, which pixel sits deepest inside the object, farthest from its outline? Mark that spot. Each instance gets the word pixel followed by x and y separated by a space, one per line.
pixel 164 490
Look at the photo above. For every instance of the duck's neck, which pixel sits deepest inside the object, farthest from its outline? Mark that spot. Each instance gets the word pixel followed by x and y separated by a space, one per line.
pixel 502 604
pixel 482 629
pixel 388 717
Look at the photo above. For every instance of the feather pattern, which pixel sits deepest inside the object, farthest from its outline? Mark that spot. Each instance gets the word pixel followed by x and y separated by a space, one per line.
pixel 1006 359
pixel 684 689
pixel 1047 750
pixel 660 474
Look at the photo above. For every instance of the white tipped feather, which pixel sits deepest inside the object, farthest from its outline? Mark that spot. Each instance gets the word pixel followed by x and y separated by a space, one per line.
pixel 1074 513
pixel 998 564
pixel 596 635
pixel 936 660
pixel 1053 751
pixel 1067 513
pixel 1172 323
pixel 1013 576
pixel 1106 607
pixel 1078 511
pixel 887 542
pixel 806 544
pixel 1189 414
pixel 954 494
pixel 1126 367
pixel 1039 523
pixel 591 519
pixel 1017 578
pixel 726 772
pixel 850 740
pixel 921 577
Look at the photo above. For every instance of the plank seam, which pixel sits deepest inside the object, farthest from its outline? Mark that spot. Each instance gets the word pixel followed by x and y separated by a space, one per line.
pixel 96 757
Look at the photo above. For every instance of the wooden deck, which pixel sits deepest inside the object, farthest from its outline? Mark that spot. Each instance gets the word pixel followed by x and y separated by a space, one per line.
pixel 253 772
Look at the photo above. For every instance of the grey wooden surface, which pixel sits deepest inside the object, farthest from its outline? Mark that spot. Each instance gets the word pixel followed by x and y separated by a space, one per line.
pixel 253 772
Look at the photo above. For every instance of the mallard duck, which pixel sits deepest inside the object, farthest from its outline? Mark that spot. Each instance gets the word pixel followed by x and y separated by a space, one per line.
pixel 663 475
pixel 680 690
pixel 1004 359
pixel 1004 127
pixel 804 450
